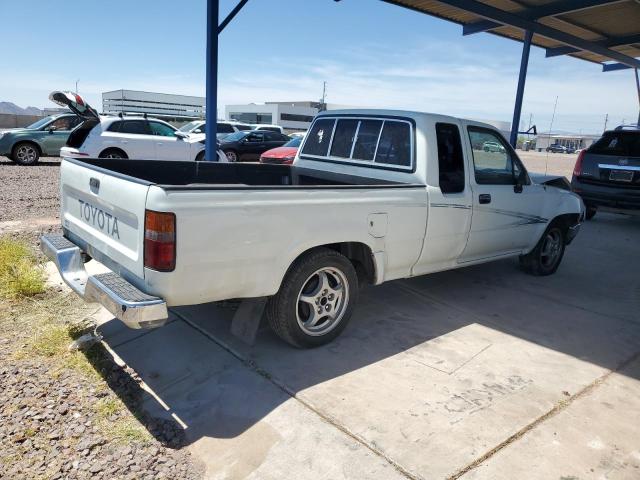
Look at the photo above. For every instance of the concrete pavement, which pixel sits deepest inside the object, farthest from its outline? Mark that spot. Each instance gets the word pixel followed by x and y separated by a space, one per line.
pixel 478 373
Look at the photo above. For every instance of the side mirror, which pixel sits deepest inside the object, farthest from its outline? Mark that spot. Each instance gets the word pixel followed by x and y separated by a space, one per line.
pixel 180 135
pixel 520 182
pixel 51 129
pixel 197 130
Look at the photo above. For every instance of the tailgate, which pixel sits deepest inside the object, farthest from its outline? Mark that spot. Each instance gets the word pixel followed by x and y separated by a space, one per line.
pixel 107 212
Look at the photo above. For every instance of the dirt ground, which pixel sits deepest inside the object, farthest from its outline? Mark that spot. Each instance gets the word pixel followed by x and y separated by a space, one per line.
pixel 32 192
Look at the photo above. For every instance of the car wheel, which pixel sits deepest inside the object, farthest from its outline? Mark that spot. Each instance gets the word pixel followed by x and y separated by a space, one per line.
pixel 200 156
pixel 25 153
pixel 112 153
pixel 590 213
pixel 232 155
pixel 545 258
pixel 316 299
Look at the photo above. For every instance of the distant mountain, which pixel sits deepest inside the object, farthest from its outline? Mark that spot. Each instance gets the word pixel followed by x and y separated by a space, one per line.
pixel 12 108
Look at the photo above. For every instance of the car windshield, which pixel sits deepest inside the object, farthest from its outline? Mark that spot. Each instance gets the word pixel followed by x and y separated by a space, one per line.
pixel 234 137
pixel 40 123
pixel 188 127
pixel 295 142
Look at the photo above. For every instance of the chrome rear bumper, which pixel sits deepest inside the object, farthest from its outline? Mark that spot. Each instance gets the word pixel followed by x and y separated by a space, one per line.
pixel 123 300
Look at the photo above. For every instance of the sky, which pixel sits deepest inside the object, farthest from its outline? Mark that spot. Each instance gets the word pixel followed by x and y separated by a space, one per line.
pixel 371 54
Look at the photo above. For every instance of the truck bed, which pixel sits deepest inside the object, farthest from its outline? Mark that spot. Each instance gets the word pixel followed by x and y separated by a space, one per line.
pixel 212 175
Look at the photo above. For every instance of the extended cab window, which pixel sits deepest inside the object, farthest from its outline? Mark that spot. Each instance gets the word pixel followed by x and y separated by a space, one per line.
pixel 394 147
pixel 494 164
pixel 450 158
pixel 317 142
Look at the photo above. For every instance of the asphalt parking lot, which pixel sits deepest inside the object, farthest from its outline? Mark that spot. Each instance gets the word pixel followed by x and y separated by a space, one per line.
pixel 479 373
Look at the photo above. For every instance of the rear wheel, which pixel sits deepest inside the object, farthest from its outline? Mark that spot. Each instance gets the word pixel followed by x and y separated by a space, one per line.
pixel 232 155
pixel 200 157
pixel 545 258
pixel 25 153
pixel 112 153
pixel 316 299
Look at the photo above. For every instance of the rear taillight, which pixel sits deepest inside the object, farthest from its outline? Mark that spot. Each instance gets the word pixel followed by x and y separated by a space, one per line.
pixel 577 170
pixel 160 240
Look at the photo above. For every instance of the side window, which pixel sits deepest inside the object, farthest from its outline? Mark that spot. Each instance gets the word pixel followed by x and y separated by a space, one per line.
pixel 492 160
pixel 367 140
pixel 319 137
pixel 255 137
pixel 343 138
pixel 161 130
pixel 136 127
pixel 62 123
pixel 450 158
pixel 223 128
pixel 394 147
pixel 114 127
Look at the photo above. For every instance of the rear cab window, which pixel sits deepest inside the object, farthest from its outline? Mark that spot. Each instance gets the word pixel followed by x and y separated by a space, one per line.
pixel 370 141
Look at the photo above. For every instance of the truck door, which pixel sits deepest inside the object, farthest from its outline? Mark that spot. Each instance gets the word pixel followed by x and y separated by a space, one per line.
pixel 505 202
pixel 449 194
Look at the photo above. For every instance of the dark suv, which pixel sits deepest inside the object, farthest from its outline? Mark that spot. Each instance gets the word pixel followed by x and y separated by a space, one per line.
pixel 607 174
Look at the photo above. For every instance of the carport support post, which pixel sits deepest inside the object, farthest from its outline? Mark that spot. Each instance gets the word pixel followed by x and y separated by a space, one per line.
pixel 524 63
pixel 212 81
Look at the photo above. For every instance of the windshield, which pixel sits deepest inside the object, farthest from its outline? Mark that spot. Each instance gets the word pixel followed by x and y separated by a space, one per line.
pixel 234 137
pixel 294 142
pixel 40 123
pixel 188 127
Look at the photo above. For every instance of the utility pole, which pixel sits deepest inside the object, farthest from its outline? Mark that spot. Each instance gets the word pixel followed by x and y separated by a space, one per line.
pixel 606 120
pixel 530 117
pixel 77 81
pixel 323 105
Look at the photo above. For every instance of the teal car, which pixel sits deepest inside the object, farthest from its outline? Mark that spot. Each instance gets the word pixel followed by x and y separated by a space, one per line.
pixel 45 137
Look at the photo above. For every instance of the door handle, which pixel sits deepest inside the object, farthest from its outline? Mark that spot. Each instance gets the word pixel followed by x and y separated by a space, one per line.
pixel 484 198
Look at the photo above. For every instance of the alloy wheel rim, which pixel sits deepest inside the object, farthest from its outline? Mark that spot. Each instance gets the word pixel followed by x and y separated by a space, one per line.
pixel 551 248
pixel 26 153
pixel 231 156
pixel 322 301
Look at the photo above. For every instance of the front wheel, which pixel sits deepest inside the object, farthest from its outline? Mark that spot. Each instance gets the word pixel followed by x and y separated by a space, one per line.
pixel 25 153
pixel 590 213
pixel 316 299
pixel 545 258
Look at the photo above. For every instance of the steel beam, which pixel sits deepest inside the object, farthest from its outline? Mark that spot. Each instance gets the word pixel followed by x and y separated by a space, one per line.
pixel 232 14
pixel 508 18
pixel 210 152
pixel 611 42
pixel 522 78
pixel 612 67
pixel 478 27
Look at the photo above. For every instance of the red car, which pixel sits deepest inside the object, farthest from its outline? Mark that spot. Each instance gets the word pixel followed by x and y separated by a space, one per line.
pixel 284 154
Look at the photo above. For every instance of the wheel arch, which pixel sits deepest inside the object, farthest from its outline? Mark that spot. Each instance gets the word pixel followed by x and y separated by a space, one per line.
pixel 113 148
pixel 32 142
pixel 369 266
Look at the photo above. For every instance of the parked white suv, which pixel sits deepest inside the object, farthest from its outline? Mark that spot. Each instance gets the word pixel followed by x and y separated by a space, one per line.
pixel 125 136
pixel 267 127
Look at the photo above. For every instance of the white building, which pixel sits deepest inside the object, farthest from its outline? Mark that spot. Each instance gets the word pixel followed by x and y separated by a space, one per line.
pixel 543 140
pixel 292 116
pixel 163 105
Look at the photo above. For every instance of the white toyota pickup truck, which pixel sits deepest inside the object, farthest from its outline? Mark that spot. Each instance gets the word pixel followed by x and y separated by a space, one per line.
pixel 372 196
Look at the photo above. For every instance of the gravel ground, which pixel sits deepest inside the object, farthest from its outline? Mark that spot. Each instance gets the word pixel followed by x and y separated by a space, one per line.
pixel 62 416
pixel 29 192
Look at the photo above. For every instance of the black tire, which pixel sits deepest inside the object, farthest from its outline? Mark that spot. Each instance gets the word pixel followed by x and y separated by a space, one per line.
pixel 112 153
pixel 25 153
pixel 200 157
pixel 232 154
pixel 545 258
pixel 590 213
pixel 286 310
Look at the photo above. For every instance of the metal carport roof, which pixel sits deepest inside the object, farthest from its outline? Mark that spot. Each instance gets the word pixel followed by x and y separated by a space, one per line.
pixel 600 31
